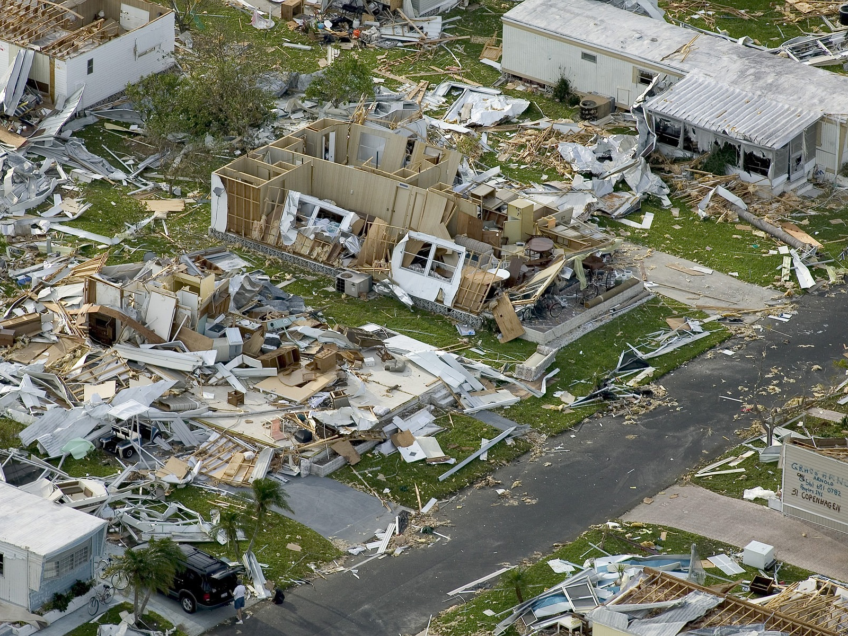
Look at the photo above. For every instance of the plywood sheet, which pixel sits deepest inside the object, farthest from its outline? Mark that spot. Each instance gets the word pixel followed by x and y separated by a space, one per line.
pixel 796 232
pixel 296 393
pixel 507 320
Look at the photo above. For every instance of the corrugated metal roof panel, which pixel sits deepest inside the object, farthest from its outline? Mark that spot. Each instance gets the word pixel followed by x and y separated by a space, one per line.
pixel 731 111
pixel 638 38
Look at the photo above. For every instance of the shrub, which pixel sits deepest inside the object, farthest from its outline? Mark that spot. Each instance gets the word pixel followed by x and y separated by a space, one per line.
pixel 220 94
pixel 719 159
pixel 345 80
pixel 81 587
pixel 562 89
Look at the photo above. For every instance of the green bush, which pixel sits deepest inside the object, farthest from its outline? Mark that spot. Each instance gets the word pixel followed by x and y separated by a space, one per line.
pixel 562 89
pixel 220 94
pixel 81 587
pixel 719 159
pixel 574 100
pixel 345 80
pixel 59 602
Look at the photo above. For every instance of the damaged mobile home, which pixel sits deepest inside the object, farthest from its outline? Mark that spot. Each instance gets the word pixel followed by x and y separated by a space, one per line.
pixel 102 44
pixel 366 204
pixel 778 121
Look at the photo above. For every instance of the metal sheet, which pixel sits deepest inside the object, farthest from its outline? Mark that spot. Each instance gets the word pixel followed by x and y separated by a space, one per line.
pixel 731 111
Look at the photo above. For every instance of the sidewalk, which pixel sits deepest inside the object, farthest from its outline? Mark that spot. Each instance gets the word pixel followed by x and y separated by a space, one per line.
pixel 739 522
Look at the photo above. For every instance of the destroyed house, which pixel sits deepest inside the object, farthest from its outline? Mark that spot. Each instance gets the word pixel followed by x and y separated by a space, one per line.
pixel 778 121
pixel 340 196
pixel 100 44
pixel 44 547
pixel 661 603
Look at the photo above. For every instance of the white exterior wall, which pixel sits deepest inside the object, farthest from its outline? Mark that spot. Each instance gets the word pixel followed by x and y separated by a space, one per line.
pixel 14 584
pixel 121 61
pixel 545 58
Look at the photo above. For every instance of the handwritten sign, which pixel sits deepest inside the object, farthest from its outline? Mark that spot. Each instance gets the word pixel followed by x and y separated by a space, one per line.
pixel 815 483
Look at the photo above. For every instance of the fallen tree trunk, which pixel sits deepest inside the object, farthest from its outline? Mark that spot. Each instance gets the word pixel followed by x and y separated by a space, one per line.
pixel 775 231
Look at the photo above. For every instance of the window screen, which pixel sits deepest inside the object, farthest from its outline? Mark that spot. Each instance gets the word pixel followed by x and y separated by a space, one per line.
pixel 66 562
pixel 589 57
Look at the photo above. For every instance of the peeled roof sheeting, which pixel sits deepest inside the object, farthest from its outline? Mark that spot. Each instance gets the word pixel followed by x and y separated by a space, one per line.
pixel 730 111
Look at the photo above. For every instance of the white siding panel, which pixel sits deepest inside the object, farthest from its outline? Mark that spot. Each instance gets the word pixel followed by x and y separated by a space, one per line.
pixel 117 64
pixel 13 583
pixel 40 71
pixel 542 58
pixel 4 56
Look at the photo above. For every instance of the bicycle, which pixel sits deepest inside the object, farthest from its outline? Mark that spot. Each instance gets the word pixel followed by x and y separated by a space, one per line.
pixel 118 580
pixel 104 596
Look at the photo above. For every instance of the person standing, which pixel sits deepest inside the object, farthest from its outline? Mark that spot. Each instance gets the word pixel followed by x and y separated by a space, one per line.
pixel 238 596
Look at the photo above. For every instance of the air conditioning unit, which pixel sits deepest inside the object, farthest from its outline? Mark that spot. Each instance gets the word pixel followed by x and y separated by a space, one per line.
pixel 353 283
pixel 594 106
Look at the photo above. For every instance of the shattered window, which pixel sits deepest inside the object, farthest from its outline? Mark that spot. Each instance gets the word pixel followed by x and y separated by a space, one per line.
pixel 756 163
pixel 439 263
pixel 668 132
pixel 644 77
pixel 689 142
pixel 66 562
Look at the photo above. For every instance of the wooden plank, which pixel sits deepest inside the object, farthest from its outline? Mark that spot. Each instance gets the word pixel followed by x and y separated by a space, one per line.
pixel 826 414
pixel 193 340
pixel 507 320
pixel 796 232
pixel 164 205
pixel 9 138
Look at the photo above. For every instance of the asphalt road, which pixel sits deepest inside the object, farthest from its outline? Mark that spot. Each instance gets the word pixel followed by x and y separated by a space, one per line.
pixel 601 471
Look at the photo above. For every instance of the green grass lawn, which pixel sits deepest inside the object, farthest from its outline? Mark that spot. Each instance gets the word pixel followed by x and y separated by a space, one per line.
pixel 112 616
pixel 591 358
pixel 461 438
pixel 766 475
pixel 277 532
pixel 468 618
pixel 96 464
pixel 719 246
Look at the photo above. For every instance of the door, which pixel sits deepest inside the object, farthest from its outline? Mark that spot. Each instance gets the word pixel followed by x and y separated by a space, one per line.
pixel 796 158
pixel 622 97
pixel 330 147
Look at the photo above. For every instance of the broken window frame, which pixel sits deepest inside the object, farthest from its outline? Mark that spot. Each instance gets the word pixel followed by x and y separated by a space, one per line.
pixel 434 260
pixel 664 129
pixel 642 76
pixel 756 161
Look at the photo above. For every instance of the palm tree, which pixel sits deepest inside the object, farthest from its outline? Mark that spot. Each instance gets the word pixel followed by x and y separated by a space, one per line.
pixel 266 493
pixel 149 569
pixel 516 578
pixel 231 522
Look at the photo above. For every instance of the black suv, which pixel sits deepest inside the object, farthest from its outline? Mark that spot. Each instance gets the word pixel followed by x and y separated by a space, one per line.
pixel 203 580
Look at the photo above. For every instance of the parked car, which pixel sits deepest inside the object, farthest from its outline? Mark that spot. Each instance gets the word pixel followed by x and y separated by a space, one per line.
pixel 203 581
pixel 123 439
